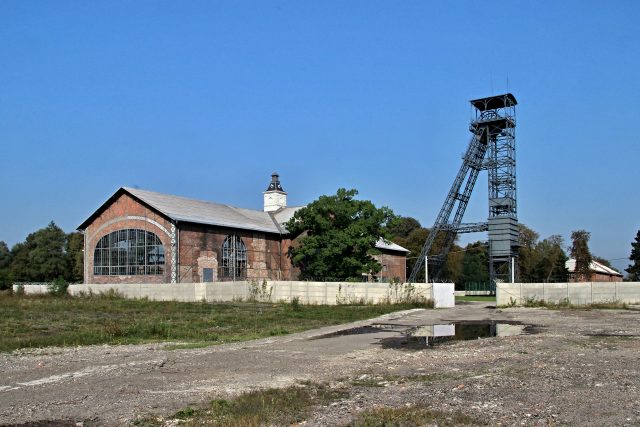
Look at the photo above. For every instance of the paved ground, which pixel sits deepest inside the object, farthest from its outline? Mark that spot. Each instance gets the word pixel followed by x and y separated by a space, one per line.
pixel 580 369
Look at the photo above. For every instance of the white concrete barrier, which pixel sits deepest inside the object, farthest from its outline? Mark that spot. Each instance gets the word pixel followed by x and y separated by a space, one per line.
pixel 582 293
pixel 329 293
pixel 443 295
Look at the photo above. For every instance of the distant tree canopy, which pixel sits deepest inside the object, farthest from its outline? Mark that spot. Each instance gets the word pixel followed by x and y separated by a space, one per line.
pixel 541 261
pixel 45 255
pixel 634 267
pixel 337 236
pixel 408 233
pixel 475 263
pixel 580 252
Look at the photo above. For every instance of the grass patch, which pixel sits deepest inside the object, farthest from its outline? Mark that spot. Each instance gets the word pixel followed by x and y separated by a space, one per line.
pixel 286 406
pixel 43 320
pixel 566 304
pixel 411 416
pixel 485 298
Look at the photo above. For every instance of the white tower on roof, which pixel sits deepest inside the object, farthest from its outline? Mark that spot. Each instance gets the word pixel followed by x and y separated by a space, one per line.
pixel 275 197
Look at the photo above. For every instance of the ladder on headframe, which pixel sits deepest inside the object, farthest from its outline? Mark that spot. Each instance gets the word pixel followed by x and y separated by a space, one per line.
pixel 465 180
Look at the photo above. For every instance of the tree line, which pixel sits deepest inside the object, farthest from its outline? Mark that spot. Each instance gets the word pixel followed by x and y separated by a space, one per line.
pixel 539 260
pixel 45 255
pixel 334 237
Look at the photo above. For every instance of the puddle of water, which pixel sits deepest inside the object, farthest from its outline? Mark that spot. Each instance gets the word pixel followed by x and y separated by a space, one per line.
pixel 420 337
pixel 431 335
pixel 370 329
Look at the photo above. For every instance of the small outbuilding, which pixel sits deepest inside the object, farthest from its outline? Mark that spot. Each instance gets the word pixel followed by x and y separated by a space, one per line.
pixel 599 273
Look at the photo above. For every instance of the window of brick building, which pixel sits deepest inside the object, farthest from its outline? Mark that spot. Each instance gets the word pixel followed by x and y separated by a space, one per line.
pixel 234 258
pixel 129 252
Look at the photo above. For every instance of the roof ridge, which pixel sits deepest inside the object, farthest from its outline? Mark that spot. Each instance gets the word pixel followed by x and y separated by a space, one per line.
pixel 131 190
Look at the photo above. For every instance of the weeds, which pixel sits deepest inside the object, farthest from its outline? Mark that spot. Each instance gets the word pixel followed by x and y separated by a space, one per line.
pixel 566 304
pixel 295 304
pixel 259 292
pixel 286 406
pixel 58 287
pixel 45 320
pixel 411 416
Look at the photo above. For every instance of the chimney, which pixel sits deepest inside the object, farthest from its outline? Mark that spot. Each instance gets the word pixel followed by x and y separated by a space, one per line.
pixel 275 197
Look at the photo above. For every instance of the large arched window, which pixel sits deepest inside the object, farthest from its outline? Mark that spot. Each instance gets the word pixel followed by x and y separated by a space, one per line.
pixel 128 252
pixel 234 257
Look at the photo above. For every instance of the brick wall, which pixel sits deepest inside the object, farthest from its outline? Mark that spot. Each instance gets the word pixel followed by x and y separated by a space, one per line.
pixel 125 212
pixel 394 265
pixel 200 244
pixel 595 277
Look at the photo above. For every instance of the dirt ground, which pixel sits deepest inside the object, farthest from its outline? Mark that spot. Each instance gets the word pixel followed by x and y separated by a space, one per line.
pixel 578 367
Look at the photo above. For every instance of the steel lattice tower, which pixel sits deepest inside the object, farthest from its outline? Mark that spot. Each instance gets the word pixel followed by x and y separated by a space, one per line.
pixel 492 147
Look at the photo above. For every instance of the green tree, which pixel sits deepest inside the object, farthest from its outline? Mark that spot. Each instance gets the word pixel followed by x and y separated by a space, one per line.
pixel 528 253
pixel 408 233
pixel 634 267
pixel 75 257
pixel 5 255
pixel 337 236
pixel 5 261
pixel 42 257
pixel 550 264
pixel 580 252
pixel 475 263
pixel 19 267
pixel 400 227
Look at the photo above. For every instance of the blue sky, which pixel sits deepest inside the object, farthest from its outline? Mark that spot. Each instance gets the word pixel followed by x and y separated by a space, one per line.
pixel 206 98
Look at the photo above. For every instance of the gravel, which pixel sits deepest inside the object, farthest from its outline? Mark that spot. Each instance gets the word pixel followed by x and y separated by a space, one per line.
pixel 579 368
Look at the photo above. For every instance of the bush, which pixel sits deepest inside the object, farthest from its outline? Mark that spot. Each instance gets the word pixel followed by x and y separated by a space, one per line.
pixel 58 287
pixel 295 304
pixel 5 280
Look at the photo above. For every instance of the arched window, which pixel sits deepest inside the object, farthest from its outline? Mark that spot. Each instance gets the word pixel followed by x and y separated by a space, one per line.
pixel 234 257
pixel 128 252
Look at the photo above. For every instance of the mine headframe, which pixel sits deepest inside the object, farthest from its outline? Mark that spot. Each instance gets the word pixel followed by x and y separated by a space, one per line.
pixel 492 148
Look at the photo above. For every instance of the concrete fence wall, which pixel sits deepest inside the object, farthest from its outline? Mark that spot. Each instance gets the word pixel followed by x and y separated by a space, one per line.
pixel 329 293
pixel 576 293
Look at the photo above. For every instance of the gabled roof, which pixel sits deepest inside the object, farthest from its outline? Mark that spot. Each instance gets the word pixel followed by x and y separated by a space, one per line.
pixel 390 246
pixel 183 209
pixel 595 266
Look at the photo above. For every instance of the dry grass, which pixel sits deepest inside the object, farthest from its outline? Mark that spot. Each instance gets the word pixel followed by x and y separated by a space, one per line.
pixel 42 321
pixel 279 407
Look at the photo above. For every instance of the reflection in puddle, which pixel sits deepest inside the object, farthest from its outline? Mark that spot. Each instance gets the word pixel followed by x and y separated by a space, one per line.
pixel 430 335
pixel 369 329
pixel 411 337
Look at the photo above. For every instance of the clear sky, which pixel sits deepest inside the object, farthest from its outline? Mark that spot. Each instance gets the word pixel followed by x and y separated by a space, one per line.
pixel 206 98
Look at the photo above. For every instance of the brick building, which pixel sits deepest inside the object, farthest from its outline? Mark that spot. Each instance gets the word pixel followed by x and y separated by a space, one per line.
pixel 140 236
pixel 599 273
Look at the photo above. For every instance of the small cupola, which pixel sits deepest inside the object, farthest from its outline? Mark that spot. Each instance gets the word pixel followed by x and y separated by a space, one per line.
pixel 274 185
pixel 275 197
